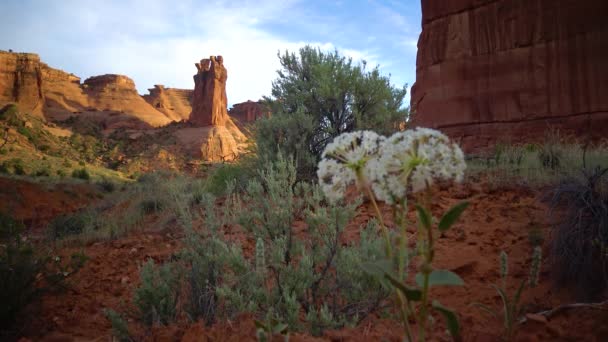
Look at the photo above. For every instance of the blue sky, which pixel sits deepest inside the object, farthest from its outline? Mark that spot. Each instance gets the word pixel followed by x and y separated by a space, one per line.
pixel 158 42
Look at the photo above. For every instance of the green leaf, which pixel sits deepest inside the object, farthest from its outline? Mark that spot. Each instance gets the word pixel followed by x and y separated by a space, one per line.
pixel 279 328
pixel 424 217
pixel 485 308
pixel 450 318
pixel 260 325
pixel 440 278
pixel 410 293
pixel 452 216
pixel 377 268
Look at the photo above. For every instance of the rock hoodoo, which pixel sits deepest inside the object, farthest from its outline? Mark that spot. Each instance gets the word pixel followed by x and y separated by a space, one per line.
pixel 509 69
pixel 215 137
pixel 209 101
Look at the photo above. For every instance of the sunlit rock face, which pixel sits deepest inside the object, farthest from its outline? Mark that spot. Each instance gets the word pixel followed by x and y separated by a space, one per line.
pixel 491 70
pixel 174 103
pixel 213 135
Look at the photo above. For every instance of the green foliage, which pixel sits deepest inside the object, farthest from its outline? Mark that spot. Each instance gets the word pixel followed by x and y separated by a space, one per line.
pixel 43 172
pixel 511 308
pixel 120 328
pixel 319 95
pixel 156 297
pixel 18 270
pixel 580 210
pixel 81 174
pixel 70 224
pixel 223 174
pixel 107 185
pixel 542 165
pixel 304 273
pixel 396 261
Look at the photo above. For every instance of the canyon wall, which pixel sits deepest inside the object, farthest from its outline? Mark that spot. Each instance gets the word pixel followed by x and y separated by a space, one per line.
pixel 490 70
pixel 56 95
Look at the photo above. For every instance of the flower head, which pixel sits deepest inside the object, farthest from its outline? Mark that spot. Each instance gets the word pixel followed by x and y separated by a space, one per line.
pixel 346 161
pixel 412 160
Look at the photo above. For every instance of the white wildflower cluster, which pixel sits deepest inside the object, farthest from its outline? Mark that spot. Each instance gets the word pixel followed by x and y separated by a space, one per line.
pixel 345 162
pixel 407 161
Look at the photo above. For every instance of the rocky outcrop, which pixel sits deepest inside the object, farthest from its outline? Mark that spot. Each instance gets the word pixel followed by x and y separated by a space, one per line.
pixel 248 112
pixel 174 103
pixel 509 69
pixel 21 81
pixel 117 93
pixel 214 136
pixel 57 95
pixel 209 101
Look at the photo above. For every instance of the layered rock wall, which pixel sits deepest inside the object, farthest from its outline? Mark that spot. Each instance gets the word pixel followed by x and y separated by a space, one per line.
pixel 55 94
pixel 509 69
pixel 21 80
pixel 248 112
pixel 173 102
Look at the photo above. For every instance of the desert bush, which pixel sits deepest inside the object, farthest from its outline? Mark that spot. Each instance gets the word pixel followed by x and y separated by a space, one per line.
pixel 81 174
pixel 120 328
pixel 316 97
pixel 107 185
pixel 289 277
pixel 43 172
pixel 223 174
pixel 70 224
pixel 18 270
pixel 305 272
pixel 580 237
pixel 156 296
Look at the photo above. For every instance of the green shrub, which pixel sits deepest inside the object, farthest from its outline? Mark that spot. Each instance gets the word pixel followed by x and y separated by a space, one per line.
pixel 18 270
pixel 288 278
pixel 9 111
pixel 151 205
pixel 120 328
pixel 4 168
pixel 70 224
pixel 223 174
pixel 107 185
pixel 81 174
pixel 61 173
pixel 316 97
pixel 43 172
pixel 156 297
pixel 17 165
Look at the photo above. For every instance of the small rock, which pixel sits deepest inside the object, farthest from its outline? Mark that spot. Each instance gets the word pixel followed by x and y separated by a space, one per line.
pixel 124 280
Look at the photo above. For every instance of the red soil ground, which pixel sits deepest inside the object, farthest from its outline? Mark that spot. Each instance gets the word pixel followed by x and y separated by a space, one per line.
pixel 495 221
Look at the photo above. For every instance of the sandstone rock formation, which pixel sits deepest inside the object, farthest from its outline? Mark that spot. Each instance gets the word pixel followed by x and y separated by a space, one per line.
pixel 209 101
pixel 21 81
pixel 215 137
pixel 509 69
pixel 247 112
pixel 174 103
pixel 56 95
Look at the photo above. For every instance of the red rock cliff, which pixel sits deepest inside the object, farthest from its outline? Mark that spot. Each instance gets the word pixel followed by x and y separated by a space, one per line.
pixel 21 80
pixel 248 112
pixel 509 69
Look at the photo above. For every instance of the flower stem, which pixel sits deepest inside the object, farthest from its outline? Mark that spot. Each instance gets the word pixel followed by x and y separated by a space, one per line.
pixel 387 238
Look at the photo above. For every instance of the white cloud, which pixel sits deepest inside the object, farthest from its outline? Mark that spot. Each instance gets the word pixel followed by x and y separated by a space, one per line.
pixel 157 42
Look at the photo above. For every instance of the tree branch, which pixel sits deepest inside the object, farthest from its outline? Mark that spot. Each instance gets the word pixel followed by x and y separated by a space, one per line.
pixel 548 313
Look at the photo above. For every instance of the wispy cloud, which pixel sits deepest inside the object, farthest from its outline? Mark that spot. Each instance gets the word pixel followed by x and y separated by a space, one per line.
pixel 159 42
